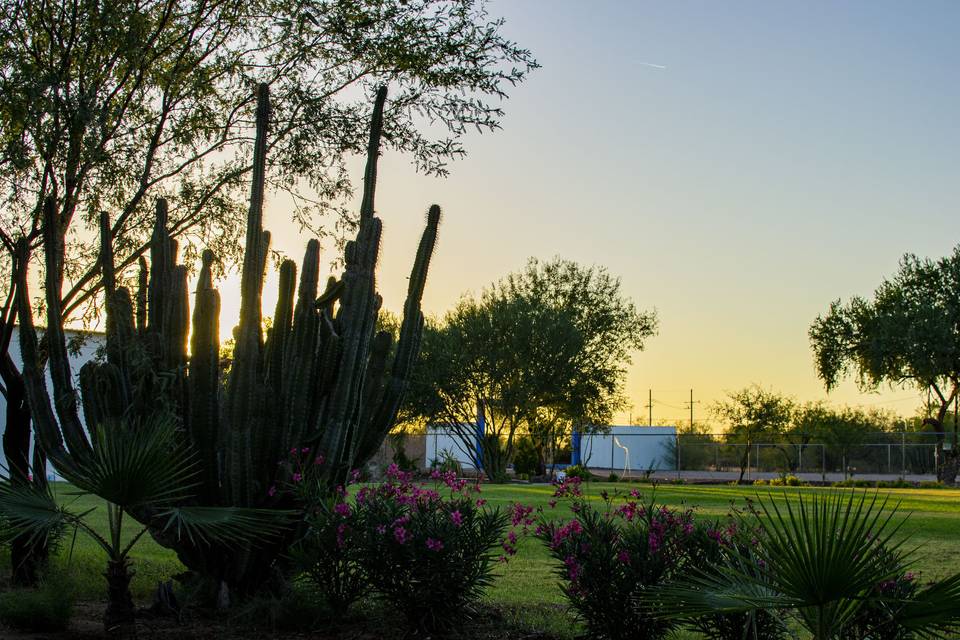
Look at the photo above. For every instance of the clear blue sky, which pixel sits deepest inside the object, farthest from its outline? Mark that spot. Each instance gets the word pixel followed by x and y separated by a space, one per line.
pixel 739 165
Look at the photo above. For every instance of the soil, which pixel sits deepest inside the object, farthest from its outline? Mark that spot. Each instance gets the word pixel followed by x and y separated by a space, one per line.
pixel 87 624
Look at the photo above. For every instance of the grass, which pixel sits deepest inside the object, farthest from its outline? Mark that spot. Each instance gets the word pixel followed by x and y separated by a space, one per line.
pixel 526 589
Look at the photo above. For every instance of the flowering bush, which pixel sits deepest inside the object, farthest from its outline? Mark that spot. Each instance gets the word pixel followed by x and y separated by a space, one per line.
pixel 729 543
pixel 610 560
pixel 328 554
pixel 429 550
pixel 878 618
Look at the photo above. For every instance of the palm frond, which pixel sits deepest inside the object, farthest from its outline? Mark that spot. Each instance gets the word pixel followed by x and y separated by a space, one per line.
pixel 34 512
pixel 933 612
pixel 138 464
pixel 223 525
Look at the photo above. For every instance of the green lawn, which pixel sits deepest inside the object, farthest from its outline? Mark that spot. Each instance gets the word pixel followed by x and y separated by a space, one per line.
pixel 526 585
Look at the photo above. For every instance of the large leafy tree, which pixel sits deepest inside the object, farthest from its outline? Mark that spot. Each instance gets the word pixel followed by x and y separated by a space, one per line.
pixel 753 414
pixel 543 350
pixel 106 106
pixel 907 335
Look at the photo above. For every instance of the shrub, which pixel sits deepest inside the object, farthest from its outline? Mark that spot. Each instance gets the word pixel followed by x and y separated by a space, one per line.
pixel 878 618
pixel 446 462
pixel 45 609
pixel 613 478
pixel 578 471
pixel 327 557
pixel 931 484
pixel 788 480
pixel 525 459
pixel 429 555
pixel 608 561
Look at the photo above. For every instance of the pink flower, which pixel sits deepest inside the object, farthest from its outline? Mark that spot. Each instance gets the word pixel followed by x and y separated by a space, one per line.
pixel 272 491
pixel 297 477
pixel 623 557
pixel 457 518
pixel 400 535
pixel 381 529
pixel 342 509
pixel 319 460
pixel 434 545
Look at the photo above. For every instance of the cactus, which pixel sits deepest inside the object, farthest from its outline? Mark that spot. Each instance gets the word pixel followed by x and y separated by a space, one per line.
pixel 320 380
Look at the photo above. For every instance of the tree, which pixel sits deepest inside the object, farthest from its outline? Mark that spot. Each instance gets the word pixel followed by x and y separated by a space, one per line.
pixel 908 335
pixel 543 350
pixel 753 414
pixel 612 329
pixel 107 106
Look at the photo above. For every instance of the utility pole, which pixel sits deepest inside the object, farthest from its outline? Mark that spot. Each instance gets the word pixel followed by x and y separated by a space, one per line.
pixel 650 407
pixel 691 403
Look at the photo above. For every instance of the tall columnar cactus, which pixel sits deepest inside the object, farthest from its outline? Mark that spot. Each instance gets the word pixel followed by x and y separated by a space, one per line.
pixel 321 380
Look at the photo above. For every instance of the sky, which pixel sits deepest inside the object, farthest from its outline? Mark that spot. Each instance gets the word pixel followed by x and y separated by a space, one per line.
pixel 738 165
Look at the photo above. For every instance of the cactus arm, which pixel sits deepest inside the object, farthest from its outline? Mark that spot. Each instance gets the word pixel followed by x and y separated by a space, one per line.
pixel 159 249
pixel 382 419
pixel 204 381
pixel 142 285
pixel 244 404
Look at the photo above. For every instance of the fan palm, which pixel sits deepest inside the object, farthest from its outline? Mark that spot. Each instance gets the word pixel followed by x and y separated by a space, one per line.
pixel 822 560
pixel 144 475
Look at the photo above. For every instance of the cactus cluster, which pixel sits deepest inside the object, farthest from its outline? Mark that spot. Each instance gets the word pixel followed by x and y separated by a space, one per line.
pixel 321 380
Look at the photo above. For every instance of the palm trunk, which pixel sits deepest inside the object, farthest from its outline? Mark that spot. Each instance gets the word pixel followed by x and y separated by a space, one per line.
pixel 119 618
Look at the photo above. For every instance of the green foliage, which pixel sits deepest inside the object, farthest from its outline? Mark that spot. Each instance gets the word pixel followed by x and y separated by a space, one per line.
pixel 432 557
pixel 905 335
pixel 320 382
pixel 753 414
pixel 826 559
pixel 525 459
pixel 46 609
pixel 609 561
pixel 578 471
pixel 329 553
pixel 545 349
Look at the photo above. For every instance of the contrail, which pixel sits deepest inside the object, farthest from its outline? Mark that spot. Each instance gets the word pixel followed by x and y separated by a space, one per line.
pixel 655 66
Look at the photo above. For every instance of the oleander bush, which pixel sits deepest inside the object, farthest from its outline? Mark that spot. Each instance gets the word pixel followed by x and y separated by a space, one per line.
pixel 612 560
pixel 429 549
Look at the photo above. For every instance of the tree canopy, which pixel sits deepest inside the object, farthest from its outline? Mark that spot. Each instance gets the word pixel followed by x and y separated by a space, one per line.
pixel 107 106
pixel 907 335
pixel 543 350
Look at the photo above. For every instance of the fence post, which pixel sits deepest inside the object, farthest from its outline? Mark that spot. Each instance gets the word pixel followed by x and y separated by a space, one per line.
pixel 756 465
pixel 823 463
pixel 903 455
pixel 678 456
pixel 612 437
pixel 799 458
pixel 889 458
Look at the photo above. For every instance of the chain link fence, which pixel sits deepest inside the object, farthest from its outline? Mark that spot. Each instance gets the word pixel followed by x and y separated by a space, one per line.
pixel 887 456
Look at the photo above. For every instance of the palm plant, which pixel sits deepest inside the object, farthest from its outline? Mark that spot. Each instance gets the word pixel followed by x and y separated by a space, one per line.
pixel 822 561
pixel 137 469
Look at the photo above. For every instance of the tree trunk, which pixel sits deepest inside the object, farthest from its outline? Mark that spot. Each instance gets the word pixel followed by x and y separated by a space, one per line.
pixel 119 618
pixel 949 466
pixel 26 559
pixel 744 461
